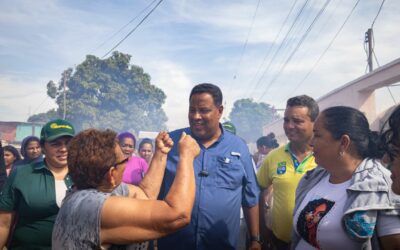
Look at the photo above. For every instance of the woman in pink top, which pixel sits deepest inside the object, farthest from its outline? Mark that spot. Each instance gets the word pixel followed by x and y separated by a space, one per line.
pixel 136 167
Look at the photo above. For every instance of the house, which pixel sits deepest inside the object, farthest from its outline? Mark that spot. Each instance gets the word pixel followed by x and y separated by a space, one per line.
pixel 15 132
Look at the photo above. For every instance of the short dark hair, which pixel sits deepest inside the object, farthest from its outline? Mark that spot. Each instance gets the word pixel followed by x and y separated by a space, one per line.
pixel 208 88
pixel 145 141
pixel 341 120
pixel 90 154
pixel 127 134
pixel 269 141
pixel 390 139
pixel 305 101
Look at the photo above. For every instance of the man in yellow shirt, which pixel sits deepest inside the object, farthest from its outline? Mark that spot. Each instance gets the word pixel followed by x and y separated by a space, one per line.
pixel 285 166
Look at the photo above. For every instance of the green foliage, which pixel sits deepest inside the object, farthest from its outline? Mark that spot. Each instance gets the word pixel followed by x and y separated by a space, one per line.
pixel 51 89
pixel 249 118
pixel 44 117
pixel 110 93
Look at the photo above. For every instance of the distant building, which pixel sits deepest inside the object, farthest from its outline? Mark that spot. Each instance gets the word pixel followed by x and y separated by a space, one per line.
pixel 15 132
pixel 147 134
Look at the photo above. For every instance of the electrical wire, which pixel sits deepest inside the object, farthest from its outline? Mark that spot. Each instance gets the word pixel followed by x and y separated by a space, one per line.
pixel 326 49
pixel 321 28
pixel 391 94
pixel 272 44
pixel 280 46
pixel 373 49
pixel 304 36
pixel 40 104
pixel 373 37
pixel 124 26
pixel 247 40
pixel 244 48
pixel 135 28
pixel 377 14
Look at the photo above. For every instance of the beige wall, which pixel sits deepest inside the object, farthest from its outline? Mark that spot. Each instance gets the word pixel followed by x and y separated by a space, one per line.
pixel 359 94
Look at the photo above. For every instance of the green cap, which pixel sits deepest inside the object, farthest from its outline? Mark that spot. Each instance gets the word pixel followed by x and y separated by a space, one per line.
pixel 229 127
pixel 55 129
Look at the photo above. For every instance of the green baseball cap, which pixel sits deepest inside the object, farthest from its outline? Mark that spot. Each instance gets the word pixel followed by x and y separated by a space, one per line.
pixel 55 129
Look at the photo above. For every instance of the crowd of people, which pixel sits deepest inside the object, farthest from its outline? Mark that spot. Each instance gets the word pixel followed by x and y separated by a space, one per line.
pixel 335 184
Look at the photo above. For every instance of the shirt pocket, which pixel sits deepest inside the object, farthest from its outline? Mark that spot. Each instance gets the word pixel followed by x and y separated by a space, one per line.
pixel 229 173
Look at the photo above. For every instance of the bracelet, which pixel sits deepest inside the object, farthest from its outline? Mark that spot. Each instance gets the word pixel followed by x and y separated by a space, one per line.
pixel 256 238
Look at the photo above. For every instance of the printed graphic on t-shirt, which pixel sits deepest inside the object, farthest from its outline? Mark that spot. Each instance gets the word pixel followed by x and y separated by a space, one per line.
pixel 309 218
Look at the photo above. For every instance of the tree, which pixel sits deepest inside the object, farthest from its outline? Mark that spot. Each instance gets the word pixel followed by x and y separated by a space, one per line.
pixel 44 117
pixel 249 118
pixel 109 93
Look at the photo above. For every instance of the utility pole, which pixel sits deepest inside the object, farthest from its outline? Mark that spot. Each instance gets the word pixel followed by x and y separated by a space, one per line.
pixel 368 41
pixel 65 97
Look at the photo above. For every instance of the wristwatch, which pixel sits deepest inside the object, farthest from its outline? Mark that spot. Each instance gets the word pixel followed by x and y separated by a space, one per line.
pixel 257 238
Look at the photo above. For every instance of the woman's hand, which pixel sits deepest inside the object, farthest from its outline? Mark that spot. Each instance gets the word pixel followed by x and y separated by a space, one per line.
pixel 188 147
pixel 164 143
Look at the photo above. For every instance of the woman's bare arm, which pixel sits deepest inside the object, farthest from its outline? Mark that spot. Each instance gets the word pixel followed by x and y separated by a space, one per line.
pixel 126 220
pixel 149 187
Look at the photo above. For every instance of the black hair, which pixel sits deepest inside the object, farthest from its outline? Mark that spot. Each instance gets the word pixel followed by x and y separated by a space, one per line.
pixel 208 88
pixel 269 141
pixel 13 151
pixel 305 101
pixel 390 139
pixel 145 141
pixel 341 120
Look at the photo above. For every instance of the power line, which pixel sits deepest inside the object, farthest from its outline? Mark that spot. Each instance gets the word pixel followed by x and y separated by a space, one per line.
pixel 280 46
pixel 244 47
pixel 321 28
pixel 377 14
pixel 326 50
pixel 373 50
pixel 373 36
pixel 247 39
pixel 123 39
pixel 124 26
pixel 273 43
pixel 40 104
pixel 321 11
pixel 391 94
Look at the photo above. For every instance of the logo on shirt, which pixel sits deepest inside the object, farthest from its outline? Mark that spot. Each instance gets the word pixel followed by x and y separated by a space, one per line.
pixel 281 168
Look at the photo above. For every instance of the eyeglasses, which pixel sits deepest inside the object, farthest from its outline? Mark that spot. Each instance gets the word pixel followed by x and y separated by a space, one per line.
pixel 116 164
pixel 121 162
pixel 127 146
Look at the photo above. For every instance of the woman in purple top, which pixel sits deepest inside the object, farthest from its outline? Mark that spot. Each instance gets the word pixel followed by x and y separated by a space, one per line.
pixel 136 167
pixel 135 170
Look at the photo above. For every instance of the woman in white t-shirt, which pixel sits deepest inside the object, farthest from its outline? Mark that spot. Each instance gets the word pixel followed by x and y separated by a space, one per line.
pixel 346 202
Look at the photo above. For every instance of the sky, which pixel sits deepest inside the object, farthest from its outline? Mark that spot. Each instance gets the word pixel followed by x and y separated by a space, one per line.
pixel 259 49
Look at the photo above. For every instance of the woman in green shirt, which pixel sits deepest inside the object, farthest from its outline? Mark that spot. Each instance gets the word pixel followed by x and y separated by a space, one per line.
pixel 34 193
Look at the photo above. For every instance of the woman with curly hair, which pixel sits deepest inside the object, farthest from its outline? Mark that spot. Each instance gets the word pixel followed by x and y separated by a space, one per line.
pixel 104 212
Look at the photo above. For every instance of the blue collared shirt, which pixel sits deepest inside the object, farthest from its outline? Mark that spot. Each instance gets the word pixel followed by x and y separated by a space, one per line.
pixel 225 181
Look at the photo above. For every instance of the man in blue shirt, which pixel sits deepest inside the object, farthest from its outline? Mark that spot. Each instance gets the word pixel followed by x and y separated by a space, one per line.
pixel 225 180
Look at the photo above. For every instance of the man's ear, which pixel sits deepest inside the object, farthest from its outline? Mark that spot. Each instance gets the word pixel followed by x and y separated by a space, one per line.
pixel 221 109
